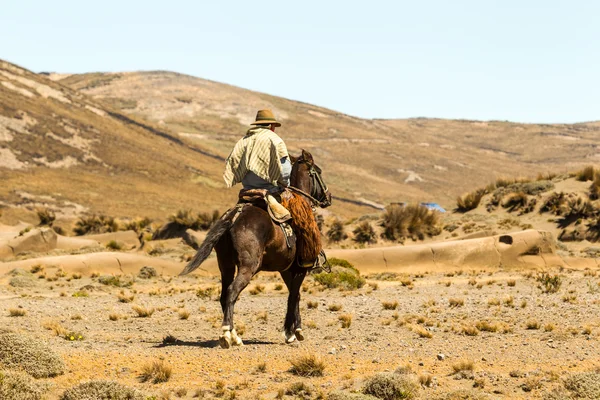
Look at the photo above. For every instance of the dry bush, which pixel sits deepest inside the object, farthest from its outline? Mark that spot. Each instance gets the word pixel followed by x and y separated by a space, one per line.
pixel 143 312
pixel 299 390
pixel 388 386
pixel 261 367
pixel 257 289
pixel 456 302
pixel 463 368
pixel 183 314
pixel 549 283
pixel 515 201
pixel 470 330
pixel 486 326
pixel 469 201
pixel 389 305
pixel 201 221
pixel 595 187
pixel 94 390
pixel 336 231
pixel 346 320
pixel 156 372
pixel 137 225
pixel 114 316
pixel 343 395
pixel 532 324
pixel 114 245
pixel 421 331
pixel 586 174
pixel 20 386
pixel 307 365
pixel 584 385
pixel 364 233
pixel 147 272
pixel 55 327
pixel 334 307
pixel 19 351
pixel 311 305
pixel 95 224
pixel 112 280
pixel 411 221
pixel 553 203
pixel 17 312
pixel 46 216
pixel 123 298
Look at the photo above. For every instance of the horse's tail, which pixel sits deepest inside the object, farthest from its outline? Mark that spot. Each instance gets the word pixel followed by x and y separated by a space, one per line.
pixel 214 234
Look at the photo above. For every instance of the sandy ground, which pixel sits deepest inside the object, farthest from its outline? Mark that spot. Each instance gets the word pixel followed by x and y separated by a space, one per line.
pixel 378 340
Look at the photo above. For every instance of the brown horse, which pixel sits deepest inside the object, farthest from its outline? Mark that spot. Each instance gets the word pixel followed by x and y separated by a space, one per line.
pixel 252 242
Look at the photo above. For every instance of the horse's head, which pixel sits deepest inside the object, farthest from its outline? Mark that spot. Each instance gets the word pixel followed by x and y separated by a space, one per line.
pixel 306 176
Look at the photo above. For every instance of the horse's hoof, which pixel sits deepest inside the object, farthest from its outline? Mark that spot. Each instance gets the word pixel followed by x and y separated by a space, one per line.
pixel 299 335
pixel 237 341
pixel 225 340
pixel 289 337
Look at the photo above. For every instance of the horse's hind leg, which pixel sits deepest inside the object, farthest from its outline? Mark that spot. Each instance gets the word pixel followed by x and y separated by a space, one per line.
pixel 293 279
pixel 249 263
pixel 226 260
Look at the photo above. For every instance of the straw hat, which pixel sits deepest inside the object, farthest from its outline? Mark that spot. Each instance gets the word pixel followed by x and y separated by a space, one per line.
pixel 265 117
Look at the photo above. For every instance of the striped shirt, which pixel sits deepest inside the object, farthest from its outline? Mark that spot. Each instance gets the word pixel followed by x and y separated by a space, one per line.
pixel 259 152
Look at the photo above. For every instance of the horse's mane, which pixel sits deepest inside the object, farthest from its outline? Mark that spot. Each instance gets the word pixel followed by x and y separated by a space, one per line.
pixel 305 226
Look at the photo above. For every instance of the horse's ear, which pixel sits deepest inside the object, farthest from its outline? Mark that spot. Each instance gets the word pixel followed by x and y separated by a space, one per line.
pixel 293 159
pixel 306 156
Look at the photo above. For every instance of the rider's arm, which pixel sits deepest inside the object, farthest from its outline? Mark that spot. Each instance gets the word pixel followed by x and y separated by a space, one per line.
pixel 286 171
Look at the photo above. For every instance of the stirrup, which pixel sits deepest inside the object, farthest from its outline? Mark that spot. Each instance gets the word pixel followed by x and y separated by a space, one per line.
pixel 321 263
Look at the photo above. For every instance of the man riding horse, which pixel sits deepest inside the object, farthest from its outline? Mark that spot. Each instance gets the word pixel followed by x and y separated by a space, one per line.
pixel 260 161
pixel 259 233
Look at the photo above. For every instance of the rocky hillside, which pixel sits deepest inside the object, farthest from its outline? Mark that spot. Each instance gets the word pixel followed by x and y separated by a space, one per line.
pixel 61 148
pixel 375 161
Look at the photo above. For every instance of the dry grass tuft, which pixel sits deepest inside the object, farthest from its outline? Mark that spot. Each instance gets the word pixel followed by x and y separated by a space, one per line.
pixel 364 233
pixel 391 386
pixel 532 324
pixel 389 305
pixel 183 314
pixel 411 221
pixel 17 312
pixel 308 365
pixel 469 201
pixel 586 174
pixel 312 305
pixel 421 331
pixel 156 372
pixel 336 231
pixel 143 312
pixel 454 302
pixel 334 307
pixel 257 289
pixel 346 320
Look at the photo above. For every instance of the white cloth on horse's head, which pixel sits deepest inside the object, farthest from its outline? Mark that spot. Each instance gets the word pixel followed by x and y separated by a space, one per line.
pixel 259 151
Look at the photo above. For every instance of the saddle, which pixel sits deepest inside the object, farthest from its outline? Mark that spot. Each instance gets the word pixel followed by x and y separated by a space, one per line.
pixel 265 200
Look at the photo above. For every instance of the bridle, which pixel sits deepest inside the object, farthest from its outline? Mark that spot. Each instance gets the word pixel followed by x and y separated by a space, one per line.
pixel 319 190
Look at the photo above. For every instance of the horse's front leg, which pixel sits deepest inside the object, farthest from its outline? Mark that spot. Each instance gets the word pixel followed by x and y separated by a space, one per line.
pixel 293 279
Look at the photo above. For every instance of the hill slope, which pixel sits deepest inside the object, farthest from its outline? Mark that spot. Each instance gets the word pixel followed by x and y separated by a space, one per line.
pixel 376 160
pixel 64 149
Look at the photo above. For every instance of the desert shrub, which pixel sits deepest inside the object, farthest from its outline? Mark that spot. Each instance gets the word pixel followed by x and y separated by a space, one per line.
pixel 343 395
pixel 137 225
pixel 147 272
pixel 143 312
pixel 547 176
pixel 46 216
pixel 414 221
pixel 553 203
pixel 200 221
pixel 586 174
pixel 388 386
pixel 307 365
pixel 19 385
pixel 549 283
pixel 343 274
pixel 21 278
pixel 529 207
pixel 469 201
pixel 584 385
pixel 364 233
pixel 95 224
pixel 94 390
pixel 595 187
pixel 112 280
pixel 515 201
pixel 532 188
pixel 336 231
pixel 465 394
pixel 299 390
pixel 19 351
pixel 114 245
pixel 577 207
pixel 156 372
pixel 593 229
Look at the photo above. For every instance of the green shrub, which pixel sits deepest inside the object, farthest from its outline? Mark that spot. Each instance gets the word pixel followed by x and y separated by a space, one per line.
pixel 18 385
pixel 343 275
pixel 94 390
pixel 469 201
pixel 20 351
pixel 549 283
pixel 414 221
pixel 388 386
pixel 364 233
pixel 336 231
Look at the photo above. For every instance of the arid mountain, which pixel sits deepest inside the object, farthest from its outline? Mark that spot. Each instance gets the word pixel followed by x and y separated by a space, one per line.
pixel 61 148
pixel 379 161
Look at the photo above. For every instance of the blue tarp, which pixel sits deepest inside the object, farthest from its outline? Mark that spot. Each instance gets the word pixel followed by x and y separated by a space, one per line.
pixel 434 206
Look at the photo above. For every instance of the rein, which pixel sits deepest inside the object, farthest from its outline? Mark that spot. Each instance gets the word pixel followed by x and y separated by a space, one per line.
pixel 315 176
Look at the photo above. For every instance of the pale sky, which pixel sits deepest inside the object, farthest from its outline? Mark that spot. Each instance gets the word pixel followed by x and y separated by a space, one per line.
pixel 526 61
